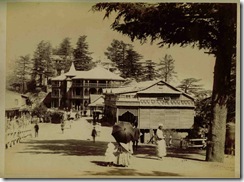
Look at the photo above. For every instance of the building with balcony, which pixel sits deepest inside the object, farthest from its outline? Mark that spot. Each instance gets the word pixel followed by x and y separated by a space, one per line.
pixel 73 89
pixel 150 103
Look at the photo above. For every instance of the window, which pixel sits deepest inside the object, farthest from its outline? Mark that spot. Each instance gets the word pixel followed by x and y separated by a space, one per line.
pixel 77 91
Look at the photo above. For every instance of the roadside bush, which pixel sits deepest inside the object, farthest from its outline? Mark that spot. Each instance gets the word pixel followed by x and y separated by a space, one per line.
pixel 56 117
pixel 39 110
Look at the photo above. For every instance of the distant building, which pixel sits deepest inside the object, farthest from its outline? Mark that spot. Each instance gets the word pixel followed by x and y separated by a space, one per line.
pixel 150 103
pixel 96 103
pixel 73 89
pixel 15 104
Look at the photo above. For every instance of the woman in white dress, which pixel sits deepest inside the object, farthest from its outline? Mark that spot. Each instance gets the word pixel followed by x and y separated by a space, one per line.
pixel 124 155
pixel 109 154
pixel 161 144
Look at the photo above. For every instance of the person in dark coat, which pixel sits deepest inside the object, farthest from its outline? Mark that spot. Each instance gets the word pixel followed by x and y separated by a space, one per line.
pixel 94 134
pixel 136 137
pixel 36 129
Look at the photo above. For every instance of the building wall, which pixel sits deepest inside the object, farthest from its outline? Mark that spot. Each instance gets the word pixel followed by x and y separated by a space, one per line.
pixel 171 118
pixel 174 111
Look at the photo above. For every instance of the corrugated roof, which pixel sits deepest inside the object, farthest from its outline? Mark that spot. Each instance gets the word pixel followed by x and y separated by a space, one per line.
pixel 132 88
pixel 147 87
pixel 97 73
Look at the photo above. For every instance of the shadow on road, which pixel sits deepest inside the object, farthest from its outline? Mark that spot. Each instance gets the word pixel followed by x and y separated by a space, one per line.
pixel 149 152
pixel 188 154
pixel 130 172
pixel 88 148
pixel 65 147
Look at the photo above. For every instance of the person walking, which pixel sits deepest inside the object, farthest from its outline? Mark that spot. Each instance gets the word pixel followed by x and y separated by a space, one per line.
pixel 36 129
pixel 124 155
pixel 136 137
pixel 62 126
pixel 160 142
pixel 94 134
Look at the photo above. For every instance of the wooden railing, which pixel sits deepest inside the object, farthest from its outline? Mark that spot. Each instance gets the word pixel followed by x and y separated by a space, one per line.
pixel 194 143
pixel 13 137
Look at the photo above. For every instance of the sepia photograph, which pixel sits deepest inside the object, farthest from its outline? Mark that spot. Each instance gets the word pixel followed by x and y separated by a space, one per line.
pixel 121 89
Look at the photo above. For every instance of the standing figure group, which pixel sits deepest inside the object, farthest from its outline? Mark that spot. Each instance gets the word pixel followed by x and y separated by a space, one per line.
pixel 119 155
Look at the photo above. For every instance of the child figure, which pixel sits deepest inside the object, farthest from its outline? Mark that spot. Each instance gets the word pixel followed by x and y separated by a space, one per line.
pixel 109 154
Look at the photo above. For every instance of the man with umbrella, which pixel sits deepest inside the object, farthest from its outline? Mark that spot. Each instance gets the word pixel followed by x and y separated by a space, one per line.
pixel 123 133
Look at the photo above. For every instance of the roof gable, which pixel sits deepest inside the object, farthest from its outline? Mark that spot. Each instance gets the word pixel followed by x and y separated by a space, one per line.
pixel 96 100
pixel 155 87
pixel 159 88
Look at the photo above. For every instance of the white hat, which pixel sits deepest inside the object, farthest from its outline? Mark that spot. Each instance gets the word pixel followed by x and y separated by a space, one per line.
pixel 160 124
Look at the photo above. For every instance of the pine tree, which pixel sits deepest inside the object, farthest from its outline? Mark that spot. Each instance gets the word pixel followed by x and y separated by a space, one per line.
pixel 82 58
pixel 18 80
pixel 166 68
pixel 117 53
pixel 149 71
pixel 65 52
pixel 43 65
pixel 125 58
pixel 190 86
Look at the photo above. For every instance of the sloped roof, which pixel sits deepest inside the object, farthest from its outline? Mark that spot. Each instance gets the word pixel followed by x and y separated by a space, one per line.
pixel 131 88
pixel 97 73
pixel 96 100
pixel 72 71
pixel 147 87
pixel 14 100
pixel 157 89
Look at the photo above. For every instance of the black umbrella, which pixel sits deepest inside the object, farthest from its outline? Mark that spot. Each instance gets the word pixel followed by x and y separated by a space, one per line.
pixel 123 132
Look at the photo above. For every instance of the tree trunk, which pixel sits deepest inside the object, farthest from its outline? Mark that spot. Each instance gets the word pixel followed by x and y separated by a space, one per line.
pixel 217 132
pixel 225 51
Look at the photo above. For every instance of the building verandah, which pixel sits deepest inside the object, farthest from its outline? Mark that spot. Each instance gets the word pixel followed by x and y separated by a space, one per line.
pixel 72 90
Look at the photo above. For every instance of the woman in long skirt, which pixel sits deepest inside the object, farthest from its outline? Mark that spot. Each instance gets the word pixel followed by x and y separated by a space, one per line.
pixel 161 144
pixel 124 154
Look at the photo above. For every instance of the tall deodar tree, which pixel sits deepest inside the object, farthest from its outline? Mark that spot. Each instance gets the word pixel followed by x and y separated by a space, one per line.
pixel 209 26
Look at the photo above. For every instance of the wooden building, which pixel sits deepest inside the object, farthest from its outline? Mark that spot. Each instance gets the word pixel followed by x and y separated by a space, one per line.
pixel 73 89
pixel 150 103
pixel 16 104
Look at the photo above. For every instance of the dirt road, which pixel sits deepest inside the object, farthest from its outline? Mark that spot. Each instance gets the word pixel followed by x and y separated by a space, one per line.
pixel 74 155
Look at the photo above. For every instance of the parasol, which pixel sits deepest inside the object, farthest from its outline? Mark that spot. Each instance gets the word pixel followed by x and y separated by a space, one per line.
pixel 123 132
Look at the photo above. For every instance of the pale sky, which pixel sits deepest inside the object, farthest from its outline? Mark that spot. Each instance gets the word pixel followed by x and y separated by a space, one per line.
pixel 30 23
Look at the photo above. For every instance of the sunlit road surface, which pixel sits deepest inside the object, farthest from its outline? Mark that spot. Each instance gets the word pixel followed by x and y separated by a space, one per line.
pixel 73 154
